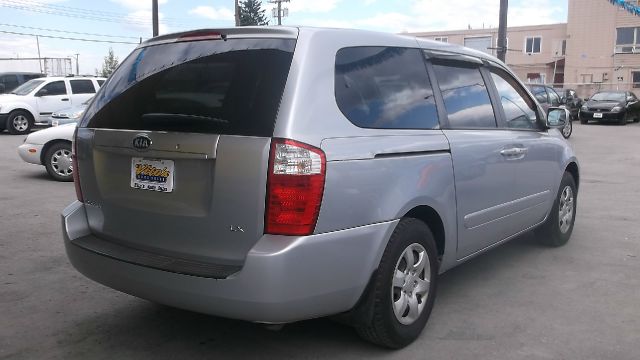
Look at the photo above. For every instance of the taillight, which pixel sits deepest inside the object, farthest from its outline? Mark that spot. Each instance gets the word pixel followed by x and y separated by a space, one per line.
pixel 74 165
pixel 201 35
pixel 295 184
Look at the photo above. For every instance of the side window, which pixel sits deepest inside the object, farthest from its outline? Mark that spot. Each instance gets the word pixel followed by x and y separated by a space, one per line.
pixel 100 82
pixel 553 97
pixel 540 94
pixel 10 82
pixel 519 108
pixel 385 88
pixel 82 87
pixel 465 94
pixel 55 88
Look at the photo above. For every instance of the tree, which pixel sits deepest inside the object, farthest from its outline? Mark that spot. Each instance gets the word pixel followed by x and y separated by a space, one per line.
pixel 252 13
pixel 109 65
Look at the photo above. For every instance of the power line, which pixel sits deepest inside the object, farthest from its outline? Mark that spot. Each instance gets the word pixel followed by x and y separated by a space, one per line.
pixel 66 31
pixel 70 38
pixel 80 13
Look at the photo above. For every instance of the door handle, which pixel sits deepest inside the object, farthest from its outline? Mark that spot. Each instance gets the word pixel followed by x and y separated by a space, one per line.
pixel 64 99
pixel 516 151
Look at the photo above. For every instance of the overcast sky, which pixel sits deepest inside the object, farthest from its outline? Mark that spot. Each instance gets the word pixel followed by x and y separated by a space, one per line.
pixel 128 20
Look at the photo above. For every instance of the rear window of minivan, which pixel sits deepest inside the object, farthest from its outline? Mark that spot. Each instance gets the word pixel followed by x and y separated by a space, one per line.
pixel 230 87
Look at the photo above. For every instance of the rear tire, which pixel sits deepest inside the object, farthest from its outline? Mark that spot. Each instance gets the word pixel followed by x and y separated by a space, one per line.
pixel 19 122
pixel 57 161
pixel 558 227
pixel 400 298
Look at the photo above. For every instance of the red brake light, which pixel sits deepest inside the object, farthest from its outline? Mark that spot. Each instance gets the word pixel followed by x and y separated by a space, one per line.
pixel 295 185
pixel 74 165
pixel 201 35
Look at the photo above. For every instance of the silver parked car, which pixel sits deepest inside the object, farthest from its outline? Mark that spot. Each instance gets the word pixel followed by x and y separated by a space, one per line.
pixel 281 174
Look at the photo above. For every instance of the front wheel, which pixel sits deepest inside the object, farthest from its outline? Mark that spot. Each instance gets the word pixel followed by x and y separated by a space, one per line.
pixel 558 227
pixel 567 129
pixel 401 296
pixel 19 122
pixel 57 161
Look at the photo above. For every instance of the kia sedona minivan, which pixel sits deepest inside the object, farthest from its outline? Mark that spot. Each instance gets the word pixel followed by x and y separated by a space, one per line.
pixel 278 174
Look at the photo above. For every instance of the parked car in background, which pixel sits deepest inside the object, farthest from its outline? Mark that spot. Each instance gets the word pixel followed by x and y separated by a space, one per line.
pixel 34 101
pixel 344 184
pixel 547 97
pixel 52 148
pixel 571 101
pixel 11 80
pixel 69 115
pixel 611 106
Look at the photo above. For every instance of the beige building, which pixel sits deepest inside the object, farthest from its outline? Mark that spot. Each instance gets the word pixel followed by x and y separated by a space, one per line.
pixel 598 48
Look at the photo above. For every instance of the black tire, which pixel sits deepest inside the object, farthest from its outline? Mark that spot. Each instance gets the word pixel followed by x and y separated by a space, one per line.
pixel 19 122
pixel 636 119
pixel 377 321
pixel 567 133
pixel 583 121
pixel 623 120
pixel 551 232
pixel 59 169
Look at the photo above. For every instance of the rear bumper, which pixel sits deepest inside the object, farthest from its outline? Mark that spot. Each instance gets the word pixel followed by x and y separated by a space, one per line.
pixel 284 279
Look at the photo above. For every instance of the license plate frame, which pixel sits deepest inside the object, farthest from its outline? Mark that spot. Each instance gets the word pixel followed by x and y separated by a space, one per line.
pixel 597 115
pixel 152 174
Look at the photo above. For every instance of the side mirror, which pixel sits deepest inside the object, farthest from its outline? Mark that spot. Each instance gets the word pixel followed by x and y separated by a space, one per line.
pixel 557 117
pixel 42 92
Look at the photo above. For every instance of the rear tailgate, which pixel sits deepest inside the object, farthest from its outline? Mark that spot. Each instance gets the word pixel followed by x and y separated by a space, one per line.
pixel 173 152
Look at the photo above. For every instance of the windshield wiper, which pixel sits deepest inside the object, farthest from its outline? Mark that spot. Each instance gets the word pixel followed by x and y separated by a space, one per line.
pixel 196 118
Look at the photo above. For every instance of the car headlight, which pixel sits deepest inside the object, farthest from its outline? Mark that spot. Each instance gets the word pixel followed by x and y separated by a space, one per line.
pixel 76 114
pixel 616 109
pixel 584 108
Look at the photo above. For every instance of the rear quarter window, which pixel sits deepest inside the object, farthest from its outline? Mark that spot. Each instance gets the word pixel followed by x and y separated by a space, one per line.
pixel 384 88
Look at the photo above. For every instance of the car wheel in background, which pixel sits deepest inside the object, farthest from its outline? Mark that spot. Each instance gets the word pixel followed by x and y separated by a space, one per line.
pixel 557 229
pixel 19 122
pixel 567 130
pixel 57 160
pixel 399 300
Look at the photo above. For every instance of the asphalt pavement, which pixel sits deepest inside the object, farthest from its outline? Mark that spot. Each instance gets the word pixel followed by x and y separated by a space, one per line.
pixel 519 301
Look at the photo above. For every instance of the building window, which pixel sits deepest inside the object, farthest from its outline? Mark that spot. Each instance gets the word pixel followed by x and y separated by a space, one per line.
pixel 627 39
pixel 564 47
pixel 533 45
pixel 635 76
pixel 443 39
pixel 536 78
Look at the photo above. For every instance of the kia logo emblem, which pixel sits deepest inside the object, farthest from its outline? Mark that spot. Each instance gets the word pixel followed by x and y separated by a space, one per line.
pixel 142 142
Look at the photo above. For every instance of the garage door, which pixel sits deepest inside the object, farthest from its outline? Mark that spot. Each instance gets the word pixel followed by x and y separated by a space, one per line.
pixel 482 43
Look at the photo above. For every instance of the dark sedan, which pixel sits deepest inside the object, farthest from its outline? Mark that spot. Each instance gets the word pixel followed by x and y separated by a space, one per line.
pixel 611 106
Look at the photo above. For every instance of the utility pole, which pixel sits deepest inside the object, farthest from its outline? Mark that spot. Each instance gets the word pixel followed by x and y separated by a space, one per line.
pixel 237 14
pixel 39 58
pixel 502 30
pixel 154 11
pixel 280 14
pixel 77 64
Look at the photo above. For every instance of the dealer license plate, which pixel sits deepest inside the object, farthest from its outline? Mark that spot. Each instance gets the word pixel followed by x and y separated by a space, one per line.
pixel 597 115
pixel 152 174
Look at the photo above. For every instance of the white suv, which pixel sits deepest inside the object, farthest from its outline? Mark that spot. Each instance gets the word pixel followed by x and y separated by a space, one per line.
pixel 34 101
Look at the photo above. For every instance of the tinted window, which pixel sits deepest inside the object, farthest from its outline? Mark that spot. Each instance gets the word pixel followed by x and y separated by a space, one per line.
pixel 82 87
pixel 222 87
pixel 540 94
pixel 100 82
pixel 519 109
pixel 55 88
pixel 10 82
pixel 553 97
pixel 465 97
pixel 382 87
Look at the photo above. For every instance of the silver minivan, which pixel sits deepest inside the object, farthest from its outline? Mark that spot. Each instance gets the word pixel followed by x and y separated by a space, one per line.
pixel 279 174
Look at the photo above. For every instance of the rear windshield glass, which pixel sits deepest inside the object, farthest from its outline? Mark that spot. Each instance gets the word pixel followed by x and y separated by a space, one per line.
pixel 224 87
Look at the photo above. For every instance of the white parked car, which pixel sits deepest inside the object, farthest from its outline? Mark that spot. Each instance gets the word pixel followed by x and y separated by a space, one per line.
pixel 52 148
pixel 36 100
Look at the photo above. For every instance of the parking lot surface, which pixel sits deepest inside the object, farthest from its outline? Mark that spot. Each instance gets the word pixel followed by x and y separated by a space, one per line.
pixel 519 301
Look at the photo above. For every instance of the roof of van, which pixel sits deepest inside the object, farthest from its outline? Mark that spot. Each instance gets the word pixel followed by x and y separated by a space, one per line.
pixel 294 31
